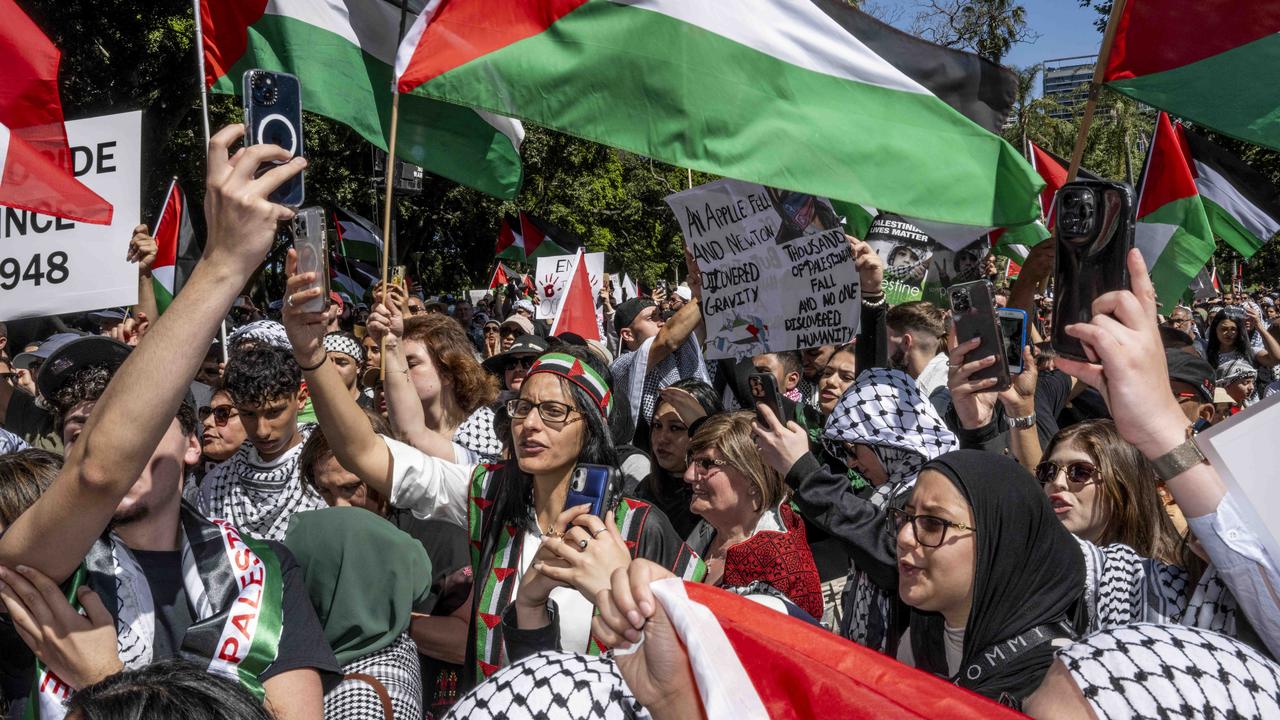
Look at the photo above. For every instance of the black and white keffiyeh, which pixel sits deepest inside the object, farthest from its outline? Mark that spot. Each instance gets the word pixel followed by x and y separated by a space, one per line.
pixel 552 686
pixel 267 332
pixel 476 434
pixel 639 383
pixel 343 343
pixel 885 410
pixel 258 496
pixel 1163 671
pixel 396 667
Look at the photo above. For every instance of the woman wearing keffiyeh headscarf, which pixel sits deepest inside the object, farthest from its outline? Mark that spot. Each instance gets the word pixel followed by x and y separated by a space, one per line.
pixel 886 430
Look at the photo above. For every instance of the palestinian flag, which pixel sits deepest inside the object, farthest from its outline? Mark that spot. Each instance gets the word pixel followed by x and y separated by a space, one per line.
pixel 855 107
pixel 510 243
pixel 358 238
pixel 343 52
pixel 577 311
pixel 500 276
pixel 176 250
pixel 542 238
pixel 1242 205
pixel 1173 231
pixel 1214 62
pixel 751 659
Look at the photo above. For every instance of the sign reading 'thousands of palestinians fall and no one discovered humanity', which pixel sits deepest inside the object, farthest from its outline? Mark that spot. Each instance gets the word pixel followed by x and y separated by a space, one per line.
pixel 777 272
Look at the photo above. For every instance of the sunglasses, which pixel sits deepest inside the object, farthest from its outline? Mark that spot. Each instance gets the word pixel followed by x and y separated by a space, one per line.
pixel 525 362
pixel 221 414
pixel 1079 473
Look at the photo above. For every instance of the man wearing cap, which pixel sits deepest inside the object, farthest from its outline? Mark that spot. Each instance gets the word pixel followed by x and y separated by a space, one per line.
pixel 1191 380
pixel 513 364
pixel 653 354
pixel 22 412
pixel 164 575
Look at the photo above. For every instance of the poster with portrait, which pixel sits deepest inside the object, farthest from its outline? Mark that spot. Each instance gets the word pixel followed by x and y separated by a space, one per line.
pixel 906 252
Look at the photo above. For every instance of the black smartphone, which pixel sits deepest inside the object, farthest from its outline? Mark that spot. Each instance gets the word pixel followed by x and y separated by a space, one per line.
pixel 1094 224
pixel 1013 331
pixel 973 311
pixel 273 114
pixel 764 391
pixel 599 486
pixel 309 242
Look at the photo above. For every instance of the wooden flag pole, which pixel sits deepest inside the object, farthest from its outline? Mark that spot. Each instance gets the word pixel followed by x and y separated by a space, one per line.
pixel 1095 85
pixel 204 119
pixel 386 214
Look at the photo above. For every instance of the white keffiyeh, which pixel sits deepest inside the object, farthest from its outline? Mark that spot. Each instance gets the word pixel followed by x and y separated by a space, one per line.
pixel 256 495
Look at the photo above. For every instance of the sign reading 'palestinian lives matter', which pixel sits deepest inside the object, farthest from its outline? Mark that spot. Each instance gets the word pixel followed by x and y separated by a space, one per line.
pixel 777 273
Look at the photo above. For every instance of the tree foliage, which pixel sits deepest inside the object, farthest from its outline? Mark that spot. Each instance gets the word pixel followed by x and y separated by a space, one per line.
pixel 989 28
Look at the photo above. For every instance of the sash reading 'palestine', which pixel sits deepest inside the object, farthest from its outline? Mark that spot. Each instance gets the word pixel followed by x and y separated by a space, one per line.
pixel 240 638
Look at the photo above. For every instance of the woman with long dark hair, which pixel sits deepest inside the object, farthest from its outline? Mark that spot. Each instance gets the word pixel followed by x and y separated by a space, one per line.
pixel 515 511
pixel 680 405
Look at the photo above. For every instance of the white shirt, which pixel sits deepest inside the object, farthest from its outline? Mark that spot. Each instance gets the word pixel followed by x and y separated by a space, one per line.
pixel 431 488
pixel 1246 567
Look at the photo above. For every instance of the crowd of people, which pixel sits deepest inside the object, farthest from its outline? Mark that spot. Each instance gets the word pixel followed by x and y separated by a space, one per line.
pixel 365 512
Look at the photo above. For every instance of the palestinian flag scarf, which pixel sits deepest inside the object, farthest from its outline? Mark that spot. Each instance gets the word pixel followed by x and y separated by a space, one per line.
pixel 233 584
pixel 497 565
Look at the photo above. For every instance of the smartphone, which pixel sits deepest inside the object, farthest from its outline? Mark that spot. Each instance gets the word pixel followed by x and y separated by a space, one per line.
pixel 764 391
pixel 599 486
pixel 1094 224
pixel 310 243
pixel 1013 331
pixel 973 311
pixel 273 115
pixel 397 275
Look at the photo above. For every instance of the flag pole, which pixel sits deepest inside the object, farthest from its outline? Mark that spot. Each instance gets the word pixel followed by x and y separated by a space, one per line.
pixel 390 191
pixel 204 121
pixel 1095 85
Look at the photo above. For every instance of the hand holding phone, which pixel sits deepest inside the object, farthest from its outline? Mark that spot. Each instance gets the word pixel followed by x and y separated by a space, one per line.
pixel 596 485
pixel 310 243
pixel 973 313
pixel 273 115
pixel 764 390
pixel 1013 332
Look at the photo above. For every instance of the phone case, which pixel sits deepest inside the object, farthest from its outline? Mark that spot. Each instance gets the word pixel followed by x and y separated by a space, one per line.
pixel 973 312
pixel 273 114
pixel 1094 223
pixel 594 485
pixel 1013 330
pixel 309 241
pixel 764 390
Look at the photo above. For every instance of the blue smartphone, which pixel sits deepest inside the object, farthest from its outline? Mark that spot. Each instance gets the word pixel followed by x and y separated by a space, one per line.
pixel 1013 331
pixel 273 115
pixel 596 485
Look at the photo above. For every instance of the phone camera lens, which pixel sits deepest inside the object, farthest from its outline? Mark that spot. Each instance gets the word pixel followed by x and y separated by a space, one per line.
pixel 960 302
pixel 265 91
pixel 1077 216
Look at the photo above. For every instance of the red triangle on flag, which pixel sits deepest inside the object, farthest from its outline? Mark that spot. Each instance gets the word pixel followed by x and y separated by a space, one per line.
pixel 500 277
pixel 577 312
pixel 481 502
pixel 502 573
pixel 490 621
pixel 1167 176
pixel 533 235
pixel 1054 176
pixel 487 669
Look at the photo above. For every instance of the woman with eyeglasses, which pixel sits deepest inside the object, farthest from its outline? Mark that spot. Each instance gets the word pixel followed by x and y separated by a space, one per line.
pixel 222 433
pixel 749 537
pixel 537 564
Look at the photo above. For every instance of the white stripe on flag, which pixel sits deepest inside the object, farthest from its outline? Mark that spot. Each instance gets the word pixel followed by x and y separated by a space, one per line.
pixel 1152 239
pixel 726 689
pixel 798 33
pixel 4 149
pixel 1215 187
pixel 370 26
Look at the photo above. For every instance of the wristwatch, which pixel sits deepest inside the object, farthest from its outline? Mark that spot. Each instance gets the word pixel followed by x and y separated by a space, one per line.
pixel 1023 423
pixel 1180 459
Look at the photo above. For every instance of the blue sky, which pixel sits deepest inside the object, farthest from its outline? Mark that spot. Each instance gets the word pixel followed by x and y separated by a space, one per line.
pixel 1065 29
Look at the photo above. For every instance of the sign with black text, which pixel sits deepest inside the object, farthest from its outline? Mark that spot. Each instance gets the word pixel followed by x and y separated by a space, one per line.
pixel 50 266
pixel 777 272
pixel 552 275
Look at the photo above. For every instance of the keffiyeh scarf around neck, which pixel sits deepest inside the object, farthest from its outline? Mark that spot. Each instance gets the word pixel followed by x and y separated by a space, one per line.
pixel 1159 671
pixel 222 571
pixel 259 496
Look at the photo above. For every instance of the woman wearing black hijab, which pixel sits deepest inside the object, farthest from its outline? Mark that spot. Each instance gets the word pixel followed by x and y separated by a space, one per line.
pixel 990 576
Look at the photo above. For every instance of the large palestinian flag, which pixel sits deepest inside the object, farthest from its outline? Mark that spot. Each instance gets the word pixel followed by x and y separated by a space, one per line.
pixel 807 95
pixel 176 249
pixel 1215 62
pixel 1172 231
pixel 343 51
pixel 1242 205
pixel 510 245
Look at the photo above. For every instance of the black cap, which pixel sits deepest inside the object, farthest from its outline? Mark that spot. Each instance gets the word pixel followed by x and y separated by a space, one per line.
pixel 628 311
pixel 524 345
pixel 1192 370
pixel 81 352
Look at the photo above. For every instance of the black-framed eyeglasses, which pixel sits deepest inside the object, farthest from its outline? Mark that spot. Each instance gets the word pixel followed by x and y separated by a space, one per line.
pixel 549 410
pixel 490 329
pixel 1079 473
pixel 705 464
pixel 930 530
pixel 221 414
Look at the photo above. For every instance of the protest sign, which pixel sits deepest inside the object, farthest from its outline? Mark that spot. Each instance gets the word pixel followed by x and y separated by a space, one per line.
pixel 906 252
pixel 477 295
pixel 552 274
pixel 1244 452
pixel 777 273
pixel 950 267
pixel 49 265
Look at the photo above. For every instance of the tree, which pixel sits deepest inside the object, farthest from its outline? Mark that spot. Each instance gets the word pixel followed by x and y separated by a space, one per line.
pixel 987 27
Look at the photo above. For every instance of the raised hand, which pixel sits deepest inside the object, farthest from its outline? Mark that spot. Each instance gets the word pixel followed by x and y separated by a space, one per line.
pixel 780 445
pixel 142 249
pixel 306 330
pixel 870 266
pixel 974 400
pixel 591 549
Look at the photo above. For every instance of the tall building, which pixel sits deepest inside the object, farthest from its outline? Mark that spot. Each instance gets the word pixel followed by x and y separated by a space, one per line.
pixel 1067 81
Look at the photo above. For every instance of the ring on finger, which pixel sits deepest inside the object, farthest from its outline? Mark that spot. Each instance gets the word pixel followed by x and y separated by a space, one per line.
pixel 594 534
pixel 582 544
pixel 289 301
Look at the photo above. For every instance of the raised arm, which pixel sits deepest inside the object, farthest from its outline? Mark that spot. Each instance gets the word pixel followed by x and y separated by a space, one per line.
pixel 683 324
pixel 139 405
pixel 872 348
pixel 143 250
